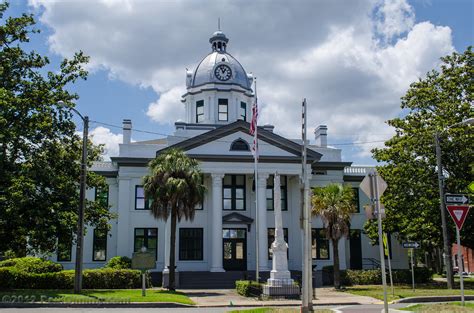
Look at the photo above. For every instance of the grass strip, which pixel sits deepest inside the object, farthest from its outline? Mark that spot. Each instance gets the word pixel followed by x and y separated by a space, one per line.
pixel 92 296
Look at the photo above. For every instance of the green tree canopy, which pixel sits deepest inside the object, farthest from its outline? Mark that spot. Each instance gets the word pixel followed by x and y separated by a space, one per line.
pixel 435 103
pixel 39 150
pixel 334 203
pixel 175 188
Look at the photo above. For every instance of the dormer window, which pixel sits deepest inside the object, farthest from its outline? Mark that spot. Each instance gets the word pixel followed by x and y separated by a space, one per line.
pixel 199 111
pixel 239 145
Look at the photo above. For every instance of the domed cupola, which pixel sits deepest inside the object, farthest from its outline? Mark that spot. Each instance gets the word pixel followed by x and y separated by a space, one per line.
pixel 219 91
pixel 219 67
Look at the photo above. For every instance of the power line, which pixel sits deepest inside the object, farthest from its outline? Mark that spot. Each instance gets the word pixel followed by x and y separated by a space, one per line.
pixel 355 143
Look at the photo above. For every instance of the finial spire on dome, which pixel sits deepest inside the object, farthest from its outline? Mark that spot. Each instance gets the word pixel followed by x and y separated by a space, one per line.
pixel 218 23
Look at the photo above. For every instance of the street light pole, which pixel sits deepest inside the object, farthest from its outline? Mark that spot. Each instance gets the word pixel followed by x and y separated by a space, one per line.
pixel 446 251
pixel 82 203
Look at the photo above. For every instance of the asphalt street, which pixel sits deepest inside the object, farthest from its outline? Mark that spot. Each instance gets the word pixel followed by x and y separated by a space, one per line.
pixel 368 308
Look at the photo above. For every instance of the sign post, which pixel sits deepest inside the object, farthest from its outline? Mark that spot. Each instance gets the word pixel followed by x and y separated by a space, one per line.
pixel 387 253
pixel 459 214
pixel 412 245
pixel 143 261
pixel 373 186
pixel 412 270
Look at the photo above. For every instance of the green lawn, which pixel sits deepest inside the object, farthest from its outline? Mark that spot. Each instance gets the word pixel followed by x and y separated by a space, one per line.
pixel 276 310
pixel 94 295
pixel 454 307
pixel 405 291
pixel 469 279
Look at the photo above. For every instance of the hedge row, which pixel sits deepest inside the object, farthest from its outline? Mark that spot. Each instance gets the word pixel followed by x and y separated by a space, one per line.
pixel 248 288
pixel 32 265
pixel 374 277
pixel 12 278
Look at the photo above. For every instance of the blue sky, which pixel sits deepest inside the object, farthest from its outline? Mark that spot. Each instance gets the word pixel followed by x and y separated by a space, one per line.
pixel 147 62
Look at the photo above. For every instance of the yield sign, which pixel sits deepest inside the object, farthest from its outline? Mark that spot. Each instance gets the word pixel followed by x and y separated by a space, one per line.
pixel 458 213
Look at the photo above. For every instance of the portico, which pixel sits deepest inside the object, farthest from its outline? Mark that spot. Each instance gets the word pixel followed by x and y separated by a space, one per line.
pixel 233 218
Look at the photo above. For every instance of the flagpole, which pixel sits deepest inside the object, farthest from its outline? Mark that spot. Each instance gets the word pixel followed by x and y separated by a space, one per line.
pixel 257 230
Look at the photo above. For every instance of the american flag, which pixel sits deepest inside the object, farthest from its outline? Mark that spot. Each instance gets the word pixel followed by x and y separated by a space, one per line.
pixel 253 129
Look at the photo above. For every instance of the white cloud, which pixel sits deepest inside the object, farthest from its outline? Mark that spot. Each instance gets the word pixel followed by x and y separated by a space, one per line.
pixel 394 17
pixel 352 60
pixel 102 135
pixel 167 107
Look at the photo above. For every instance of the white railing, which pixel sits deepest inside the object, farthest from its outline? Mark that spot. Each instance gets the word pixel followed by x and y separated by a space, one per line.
pixel 102 165
pixel 358 170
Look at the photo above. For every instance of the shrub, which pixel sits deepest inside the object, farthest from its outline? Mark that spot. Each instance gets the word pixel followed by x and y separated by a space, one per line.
pixel 119 263
pixel 32 265
pixel 109 278
pixel 361 277
pixel 248 288
pixel 374 277
pixel 11 278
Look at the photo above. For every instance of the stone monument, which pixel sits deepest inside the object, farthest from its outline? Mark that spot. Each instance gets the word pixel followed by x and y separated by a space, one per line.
pixel 280 283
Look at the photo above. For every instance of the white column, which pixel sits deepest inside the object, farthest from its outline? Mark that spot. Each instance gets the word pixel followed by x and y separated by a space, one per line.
pixel 216 261
pixel 125 232
pixel 262 222
pixel 167 245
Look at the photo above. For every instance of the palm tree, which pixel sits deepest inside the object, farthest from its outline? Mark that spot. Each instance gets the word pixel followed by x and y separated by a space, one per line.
pixel 334 203
pixel 175 188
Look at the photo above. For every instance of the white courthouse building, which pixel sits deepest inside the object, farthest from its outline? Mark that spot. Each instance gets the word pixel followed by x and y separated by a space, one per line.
pixel 222 236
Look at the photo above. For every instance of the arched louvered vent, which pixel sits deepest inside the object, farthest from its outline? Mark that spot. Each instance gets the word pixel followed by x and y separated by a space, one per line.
pixel 239 145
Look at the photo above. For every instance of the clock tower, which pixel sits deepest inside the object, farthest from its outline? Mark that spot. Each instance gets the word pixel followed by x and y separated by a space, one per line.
pixel 219 90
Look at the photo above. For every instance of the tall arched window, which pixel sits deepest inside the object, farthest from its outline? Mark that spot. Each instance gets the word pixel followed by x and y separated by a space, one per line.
pixel 240 145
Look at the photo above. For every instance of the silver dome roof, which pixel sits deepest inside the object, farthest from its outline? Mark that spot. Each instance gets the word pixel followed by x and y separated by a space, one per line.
pixel 204 72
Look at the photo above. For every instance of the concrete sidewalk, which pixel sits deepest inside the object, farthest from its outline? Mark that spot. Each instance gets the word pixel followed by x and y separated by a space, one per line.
pixel 229 297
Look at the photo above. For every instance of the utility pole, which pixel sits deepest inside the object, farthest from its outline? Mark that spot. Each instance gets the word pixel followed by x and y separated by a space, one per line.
pixel 306 305
pixel 82 202
pixel 446 245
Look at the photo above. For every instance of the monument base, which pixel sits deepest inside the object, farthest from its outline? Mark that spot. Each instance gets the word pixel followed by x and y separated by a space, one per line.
pixel 282 291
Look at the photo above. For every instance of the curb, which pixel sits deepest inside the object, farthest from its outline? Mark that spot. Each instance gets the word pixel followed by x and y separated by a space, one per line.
pixel 433 299
pixel 255 305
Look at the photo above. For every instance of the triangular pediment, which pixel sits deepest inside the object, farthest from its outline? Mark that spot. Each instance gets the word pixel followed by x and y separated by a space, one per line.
pixel 217 144
pixel 236 218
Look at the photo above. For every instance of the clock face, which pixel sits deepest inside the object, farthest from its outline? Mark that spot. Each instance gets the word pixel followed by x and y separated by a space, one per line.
pixel 223 72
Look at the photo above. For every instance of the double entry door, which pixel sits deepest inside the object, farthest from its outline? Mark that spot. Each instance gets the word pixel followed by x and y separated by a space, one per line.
pixel 235 249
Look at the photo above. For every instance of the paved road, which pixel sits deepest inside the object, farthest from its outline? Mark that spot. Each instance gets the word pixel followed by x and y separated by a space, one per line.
pixel 365 308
